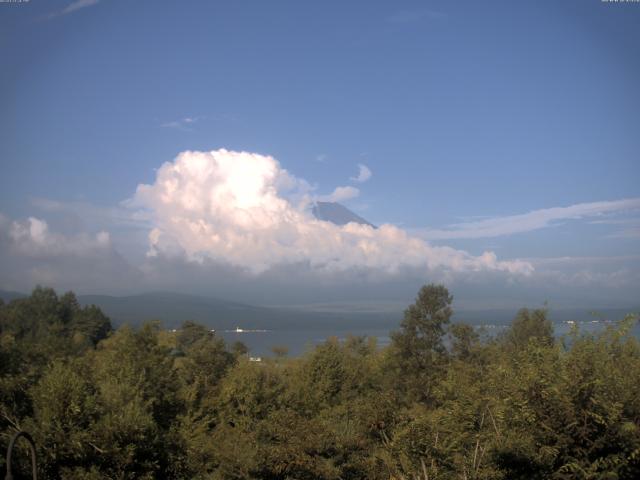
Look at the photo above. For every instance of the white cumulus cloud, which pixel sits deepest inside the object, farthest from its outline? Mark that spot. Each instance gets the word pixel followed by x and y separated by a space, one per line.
pixel 340 194
pixel 364 174
pixel 232 207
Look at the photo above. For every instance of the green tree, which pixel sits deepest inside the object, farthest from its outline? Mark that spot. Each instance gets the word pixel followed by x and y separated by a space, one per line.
pixel 418 351
pixel 239 349
pixel 91 323
pixel 528 325
pixel 65 412
pixel 464 340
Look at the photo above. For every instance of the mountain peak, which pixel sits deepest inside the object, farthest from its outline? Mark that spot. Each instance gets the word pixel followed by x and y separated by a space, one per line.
pixel 336 213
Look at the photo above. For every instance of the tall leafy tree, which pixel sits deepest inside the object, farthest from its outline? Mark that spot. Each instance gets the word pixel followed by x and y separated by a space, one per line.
pixel 528 325
pixel 418 350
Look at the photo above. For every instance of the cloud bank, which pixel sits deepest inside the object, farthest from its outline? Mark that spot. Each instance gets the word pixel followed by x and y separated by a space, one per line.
pixel 237 225
pixel 236 208
pixel 34 239
pixel 31 253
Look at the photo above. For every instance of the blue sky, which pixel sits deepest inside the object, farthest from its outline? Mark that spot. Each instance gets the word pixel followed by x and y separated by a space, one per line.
pixel 463 111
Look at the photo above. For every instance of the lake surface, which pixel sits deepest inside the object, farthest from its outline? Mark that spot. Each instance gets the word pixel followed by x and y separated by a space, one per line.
pixel 301 339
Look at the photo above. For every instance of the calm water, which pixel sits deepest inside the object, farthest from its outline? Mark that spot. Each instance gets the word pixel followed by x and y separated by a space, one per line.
pixel 296 340
pixel 299 340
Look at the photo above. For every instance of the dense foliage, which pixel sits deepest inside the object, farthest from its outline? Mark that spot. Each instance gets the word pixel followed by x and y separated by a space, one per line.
pixel 438 403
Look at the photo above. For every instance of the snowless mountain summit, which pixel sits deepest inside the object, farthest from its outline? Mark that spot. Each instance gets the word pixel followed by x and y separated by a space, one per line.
pixel 336 213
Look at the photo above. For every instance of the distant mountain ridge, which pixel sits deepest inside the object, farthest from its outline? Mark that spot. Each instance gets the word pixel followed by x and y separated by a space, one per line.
pixel 8 296
pixel 172 309
pixel 336 213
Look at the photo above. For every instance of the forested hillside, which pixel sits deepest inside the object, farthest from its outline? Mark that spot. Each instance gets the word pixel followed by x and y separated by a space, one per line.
pixel 438 403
